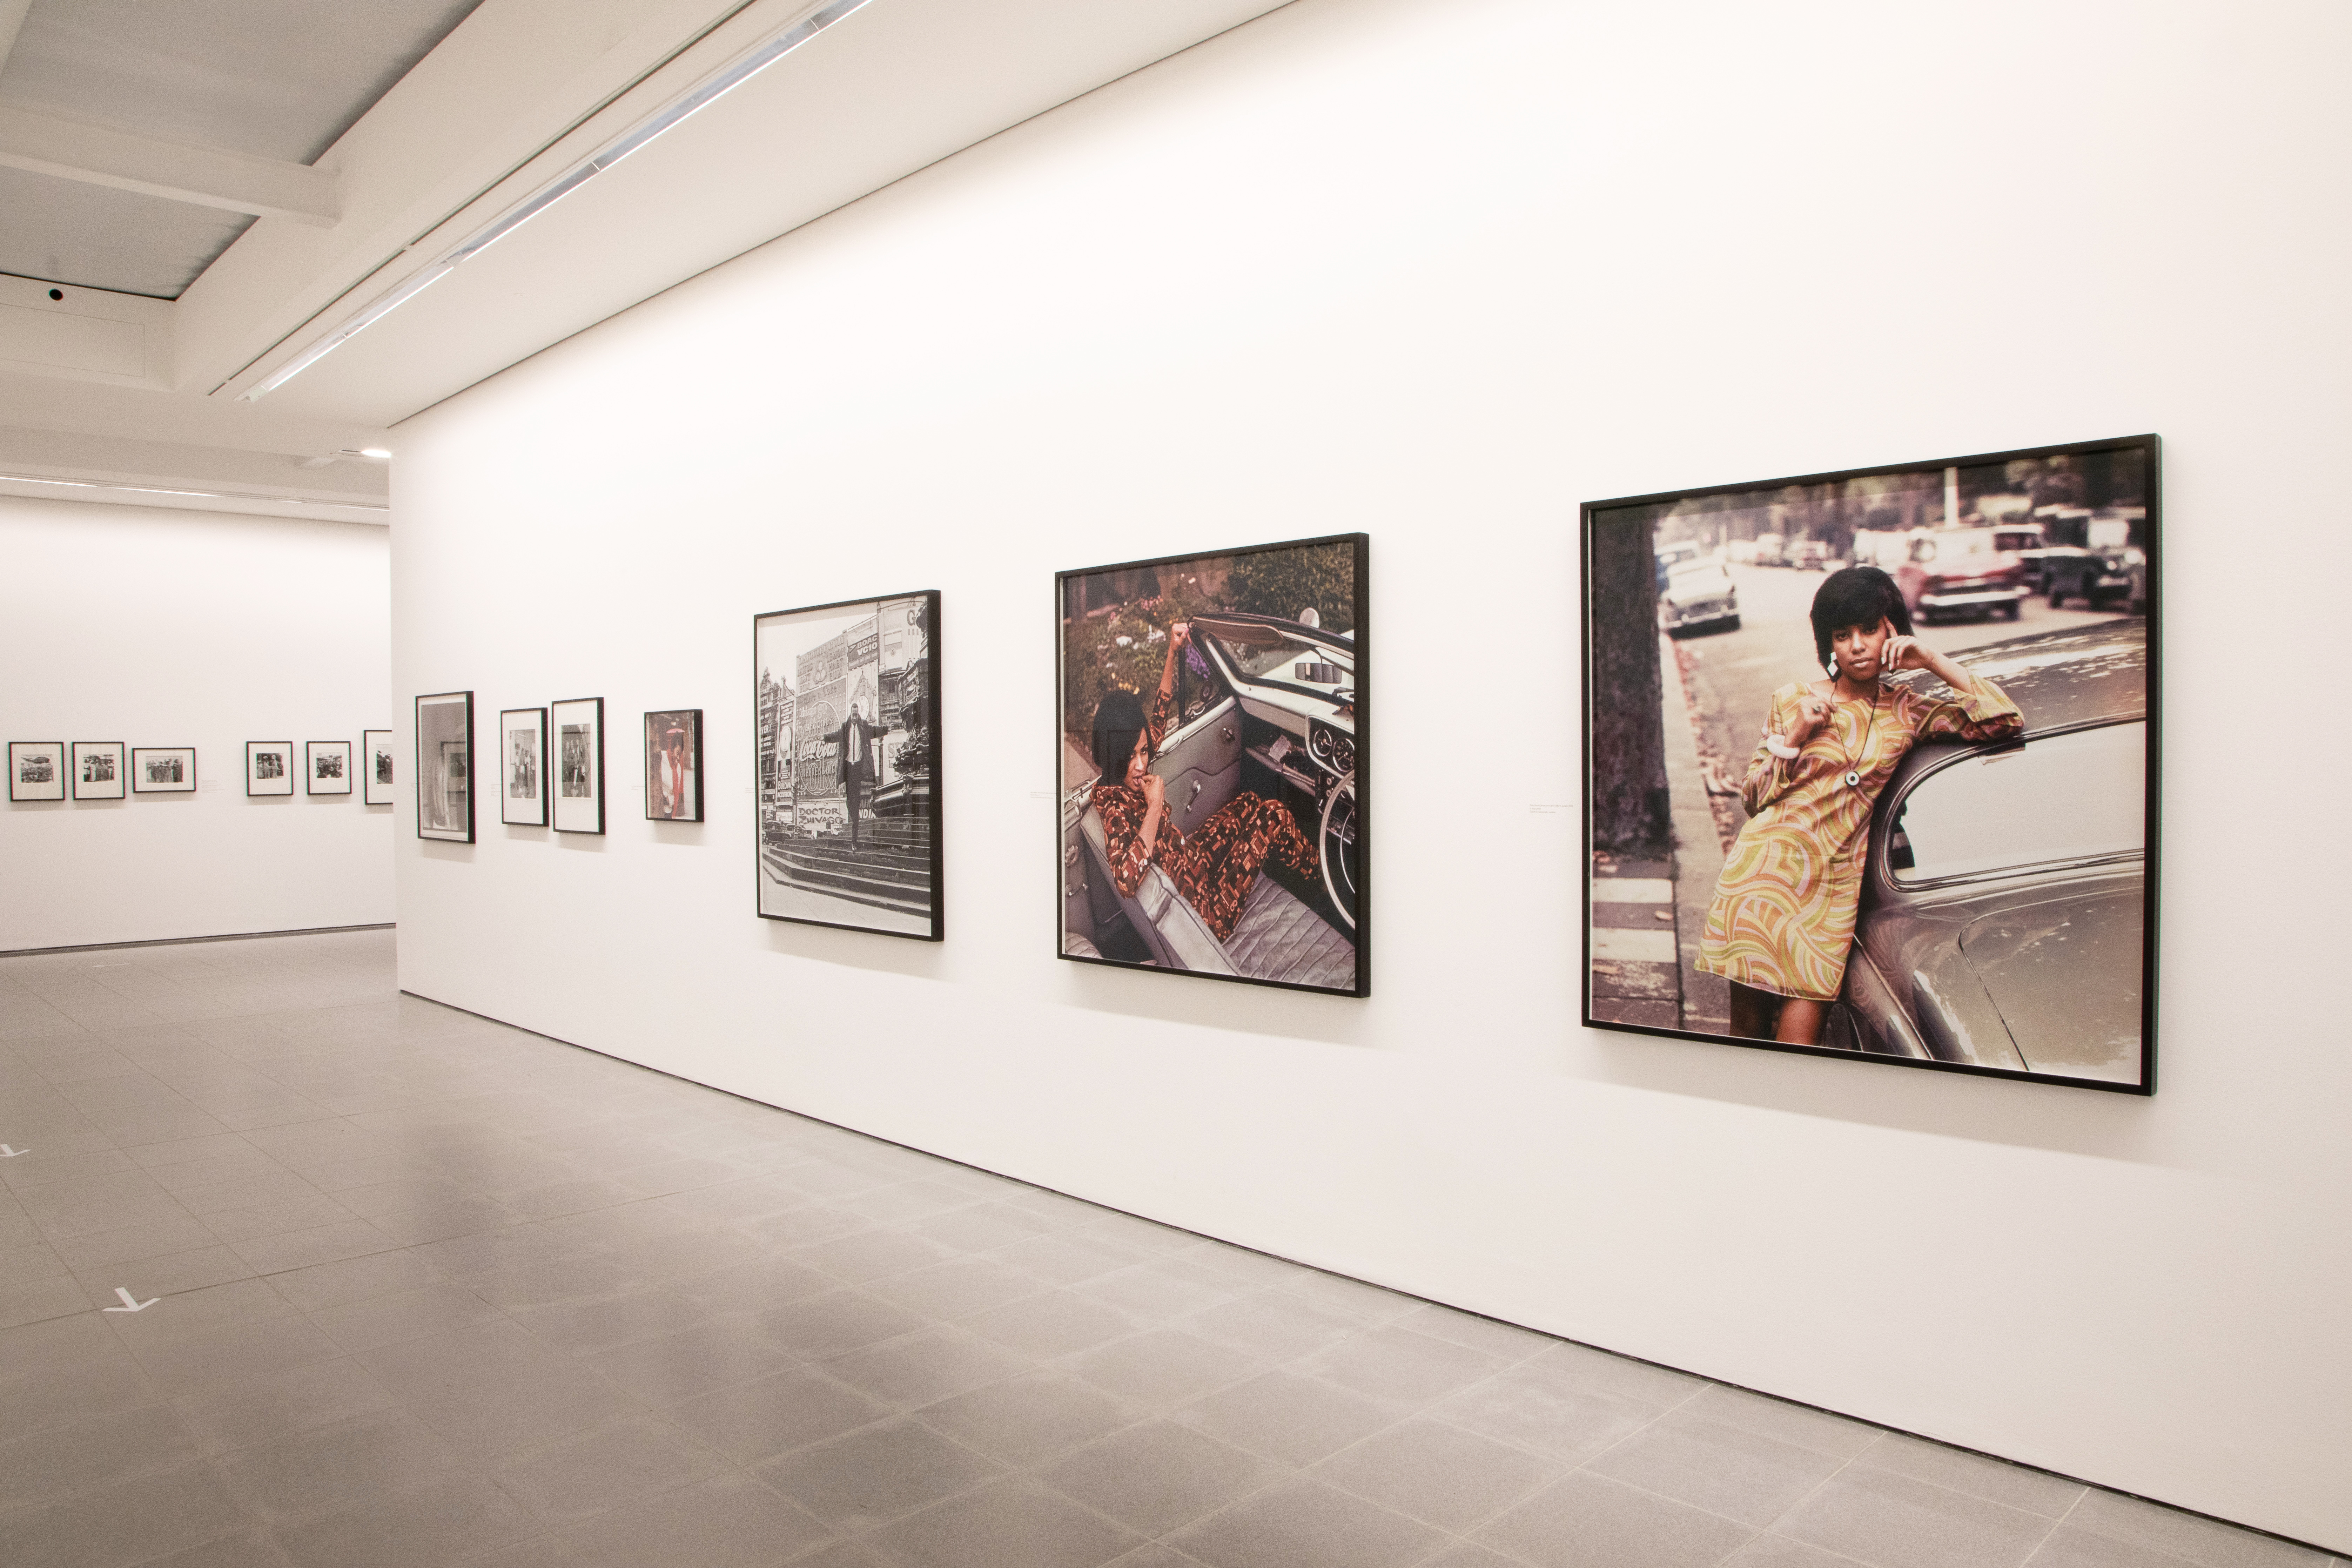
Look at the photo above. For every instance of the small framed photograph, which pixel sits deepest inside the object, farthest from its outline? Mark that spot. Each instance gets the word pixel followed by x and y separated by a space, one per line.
pixel 523 767
pixel 327 767
pixel 445 743
pixel 849 764
pixel 673 765
pixel 269 767
pixel 163 770
pixel 579 736
pixel 375 755
pixel 36 770
pixel 98 769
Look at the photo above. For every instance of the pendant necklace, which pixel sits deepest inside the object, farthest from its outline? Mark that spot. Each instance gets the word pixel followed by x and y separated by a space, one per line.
pixel 1852 770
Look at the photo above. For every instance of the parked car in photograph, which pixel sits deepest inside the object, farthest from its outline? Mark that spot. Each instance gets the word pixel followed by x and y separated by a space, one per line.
pixel 1699 596
pixel 2000 921
pixel 2114 576
pixel 1769 550
pixel 1272 708
pixel 1808 555
pixel 1670 557
pixel 1953 572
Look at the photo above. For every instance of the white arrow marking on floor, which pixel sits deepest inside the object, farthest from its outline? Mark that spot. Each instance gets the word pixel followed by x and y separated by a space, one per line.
pixel 8 1154
pixel 128 1304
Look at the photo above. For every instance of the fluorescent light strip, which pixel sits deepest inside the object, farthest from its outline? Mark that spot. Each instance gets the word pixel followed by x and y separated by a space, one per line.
pixel 701 95
pixel 207 495
pixel 34 479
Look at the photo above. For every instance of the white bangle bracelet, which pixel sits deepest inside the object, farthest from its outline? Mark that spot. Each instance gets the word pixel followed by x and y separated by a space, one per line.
pixel 1779 747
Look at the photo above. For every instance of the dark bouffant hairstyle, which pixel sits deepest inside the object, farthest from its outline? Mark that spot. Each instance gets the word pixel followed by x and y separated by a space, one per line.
pixel 1119 719
pixel 1855 596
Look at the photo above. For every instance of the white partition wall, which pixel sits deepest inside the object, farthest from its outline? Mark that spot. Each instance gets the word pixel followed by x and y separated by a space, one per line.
pixel 1440 275
pixel 159 627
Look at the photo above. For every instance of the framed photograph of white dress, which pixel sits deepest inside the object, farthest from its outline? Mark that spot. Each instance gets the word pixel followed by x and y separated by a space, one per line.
pixel 269 767
pixel 163 770
pixel 375 765
pixel 445 744
pixel 327 767
pixel 36 770
pixel 578 728
pixel 98 770
pixel 523 767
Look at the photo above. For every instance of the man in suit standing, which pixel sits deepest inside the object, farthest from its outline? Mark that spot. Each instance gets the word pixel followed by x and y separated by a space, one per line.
pixel 855 769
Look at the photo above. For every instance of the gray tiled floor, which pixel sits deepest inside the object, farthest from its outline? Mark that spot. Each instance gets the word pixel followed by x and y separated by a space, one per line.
pixel 431 1290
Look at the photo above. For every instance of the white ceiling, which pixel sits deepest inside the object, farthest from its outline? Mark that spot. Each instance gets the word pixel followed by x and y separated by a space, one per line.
pixel 393 160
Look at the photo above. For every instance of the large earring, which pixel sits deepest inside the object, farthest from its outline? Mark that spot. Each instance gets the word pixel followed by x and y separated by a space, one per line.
pixel 1832 666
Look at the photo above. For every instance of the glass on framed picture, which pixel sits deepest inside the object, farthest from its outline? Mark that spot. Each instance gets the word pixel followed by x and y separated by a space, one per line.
pixel 375 767
pixel 327 767
pixel 444 742
pixel 673 765
pixel 269 767
pixel 100 770
pixel 36 770
pixel 163 770
pixel 576 728
pixel 523 767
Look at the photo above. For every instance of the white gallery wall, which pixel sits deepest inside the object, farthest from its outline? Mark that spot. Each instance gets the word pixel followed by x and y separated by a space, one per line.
pixel 1440 276
pixel 160 627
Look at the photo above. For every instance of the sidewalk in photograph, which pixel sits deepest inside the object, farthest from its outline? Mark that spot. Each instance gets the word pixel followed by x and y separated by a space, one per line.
pixel 1698 854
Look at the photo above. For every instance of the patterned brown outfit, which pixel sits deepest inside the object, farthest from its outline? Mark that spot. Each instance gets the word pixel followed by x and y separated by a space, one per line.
pixel 1214 864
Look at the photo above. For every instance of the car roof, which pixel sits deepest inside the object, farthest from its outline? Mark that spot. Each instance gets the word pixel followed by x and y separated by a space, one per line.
pixel 2085 675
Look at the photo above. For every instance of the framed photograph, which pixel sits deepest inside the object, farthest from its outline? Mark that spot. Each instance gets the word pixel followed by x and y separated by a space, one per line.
pixel 579 737
pixel 375 763
pixel 673 765
pixel 523 767
pixel 445 745
pixel 1871 764
pixel 1214 758
pixel 327 767
pixel 36 770
pixel 849 764
pixel 269 767
pixel 163 770
pixel 98 770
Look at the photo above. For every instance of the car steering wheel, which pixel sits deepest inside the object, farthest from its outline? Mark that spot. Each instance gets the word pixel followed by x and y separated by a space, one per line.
pixel 1336 844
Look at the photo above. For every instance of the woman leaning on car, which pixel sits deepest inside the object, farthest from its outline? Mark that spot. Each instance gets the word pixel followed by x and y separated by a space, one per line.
pixel 1783 914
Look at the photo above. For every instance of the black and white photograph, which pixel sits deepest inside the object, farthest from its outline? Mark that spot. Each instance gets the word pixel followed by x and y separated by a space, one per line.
pixel 269 767
pixel 847 767
pixel 375 764
pixel 523 767
pixel 577 736
pixel 36 770
pixel 673 765
pixel 327 767
pixel 163 770
pixel 445 742
pixel 1871 769
pixel 98 770
pixel 1214 757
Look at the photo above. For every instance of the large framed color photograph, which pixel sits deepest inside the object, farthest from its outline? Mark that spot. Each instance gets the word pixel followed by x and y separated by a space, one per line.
pixel 1214 758
pixel 1871 764
pixel 847 764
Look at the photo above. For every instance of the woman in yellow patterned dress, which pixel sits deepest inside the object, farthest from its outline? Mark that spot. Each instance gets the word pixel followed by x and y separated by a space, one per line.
pixel 1782 919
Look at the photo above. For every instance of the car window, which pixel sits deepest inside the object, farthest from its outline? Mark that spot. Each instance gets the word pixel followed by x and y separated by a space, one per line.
pixel 2064 797
pixel 1263 653
pixel 1198 685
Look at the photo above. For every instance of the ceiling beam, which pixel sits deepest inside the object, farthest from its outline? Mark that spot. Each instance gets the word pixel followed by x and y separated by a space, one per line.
pixel 178 171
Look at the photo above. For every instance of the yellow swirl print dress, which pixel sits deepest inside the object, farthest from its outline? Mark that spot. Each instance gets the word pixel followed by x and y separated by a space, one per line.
pixel 1782 919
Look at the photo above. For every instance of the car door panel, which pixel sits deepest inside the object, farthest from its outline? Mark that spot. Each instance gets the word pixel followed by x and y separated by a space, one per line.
pixel 1201 764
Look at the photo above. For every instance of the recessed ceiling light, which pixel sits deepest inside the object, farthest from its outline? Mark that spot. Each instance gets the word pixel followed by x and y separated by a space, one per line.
pixel 376 452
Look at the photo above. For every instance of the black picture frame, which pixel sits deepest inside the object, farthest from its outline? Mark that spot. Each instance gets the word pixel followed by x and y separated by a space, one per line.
pixel 337 756
pixel 667 783
pixel 445 748
pixel 1311 703
pixel 529 808
pixel 161 759
pixel 269 765
pixel 377 767
pixel 101 765
pixel 585 814
pixel 2036 666
pixel 37 770
pixel 806 868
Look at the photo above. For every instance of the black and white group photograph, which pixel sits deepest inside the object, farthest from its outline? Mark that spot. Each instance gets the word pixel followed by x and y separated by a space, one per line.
pixel 522 763
pixel 328 768
pixel 847 764
pixel 673 765
pixel 163 770
pixel 98 770
pixel 1869 763
pixel 444 739
pixel 269 767
pixel 1213 758
pixel 36 770
pixel 578 732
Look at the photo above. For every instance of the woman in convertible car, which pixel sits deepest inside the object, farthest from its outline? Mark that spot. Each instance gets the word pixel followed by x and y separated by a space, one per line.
pixel 1215 864
pixel 1782 919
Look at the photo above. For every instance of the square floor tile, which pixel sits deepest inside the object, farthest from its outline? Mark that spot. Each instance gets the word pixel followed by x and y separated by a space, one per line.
pixel 679 1366
pixel 1540 1410
pixel 1282 1415
pixel 1725 1470
pixel 1164 1367
pixel 832 1323
pixel 1436 1473
pixel 752 1421
pixel 1590 1522
pixel 1013 1522
pixel 448 1518
pixel 1305 1524
pixel 730 1521
pixel 383 1451
pixel 279 1404
pixel 1156 1476
pixel 1025 1420
pixel 877 1473
pixel 570 1477
pixel 73 1458
pixel 924 1368
pixel 1882 1517
pixel 128 1521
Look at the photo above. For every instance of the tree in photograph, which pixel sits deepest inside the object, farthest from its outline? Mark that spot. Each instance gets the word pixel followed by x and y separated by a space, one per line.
pixel 1631 814
pixel 1282 583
